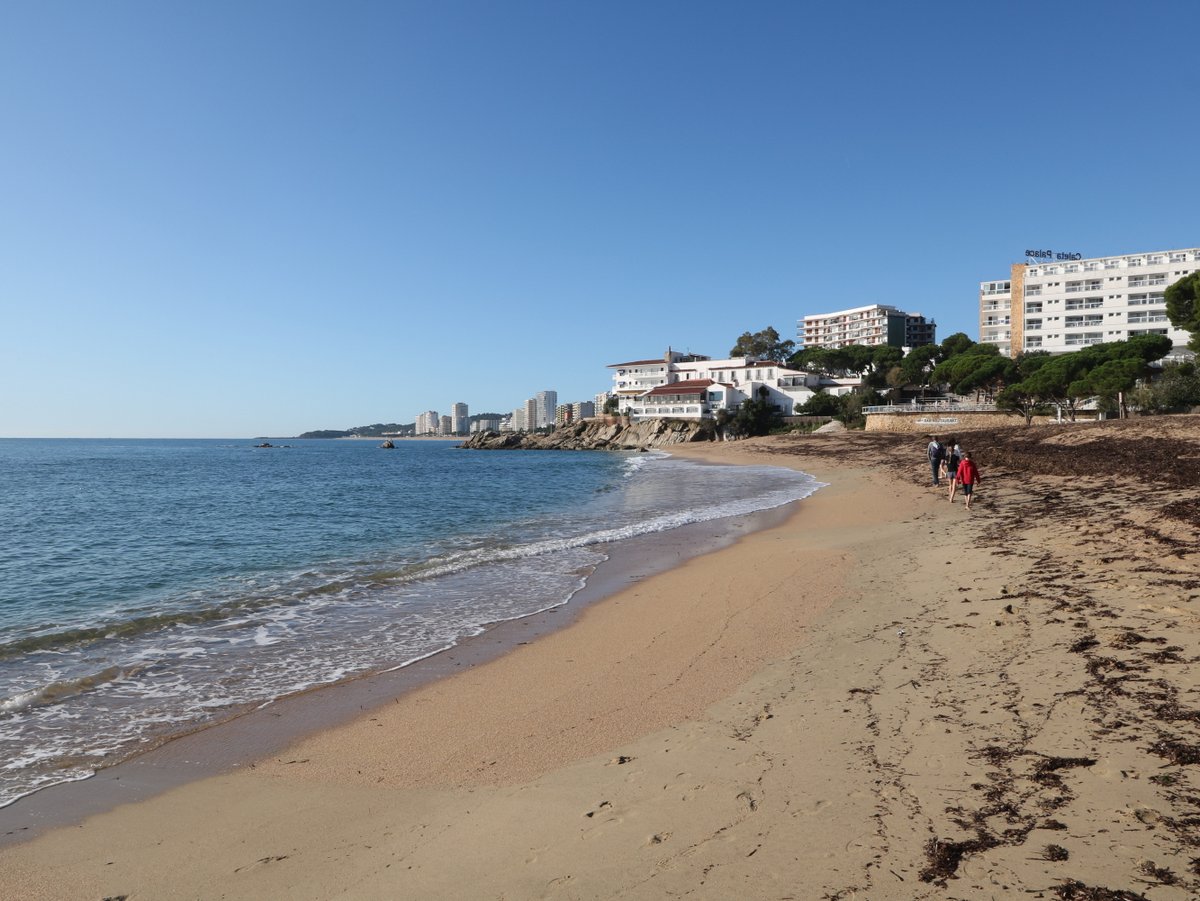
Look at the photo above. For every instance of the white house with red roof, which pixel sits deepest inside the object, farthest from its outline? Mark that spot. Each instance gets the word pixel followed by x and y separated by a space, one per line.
pixel 691 386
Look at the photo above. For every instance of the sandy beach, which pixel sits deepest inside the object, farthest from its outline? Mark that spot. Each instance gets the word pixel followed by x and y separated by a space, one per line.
pixel 885 696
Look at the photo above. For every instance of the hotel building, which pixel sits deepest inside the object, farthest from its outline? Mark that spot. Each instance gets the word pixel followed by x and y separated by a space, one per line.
pixel 1063 303
pixel 871 325
pixel 690 386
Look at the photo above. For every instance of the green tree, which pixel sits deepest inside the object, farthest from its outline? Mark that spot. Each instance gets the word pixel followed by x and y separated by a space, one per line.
pixel 764 345
pixel 1183 307
pixel 756 416
pixel 955 344
pixel 820 404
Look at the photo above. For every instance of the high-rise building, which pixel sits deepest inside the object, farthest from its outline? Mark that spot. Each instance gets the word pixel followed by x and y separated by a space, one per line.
pixel 428 423
pixel 446 427
pixel 1061 302
pixel 547 403
pixel 460 419
pixel 518 419
pixel 871 325
pixel 584 409
pixel 532 415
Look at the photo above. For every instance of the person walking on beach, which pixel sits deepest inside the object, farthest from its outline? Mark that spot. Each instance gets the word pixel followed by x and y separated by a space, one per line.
pixel 953 456
pixel 936 453
pixel 968 477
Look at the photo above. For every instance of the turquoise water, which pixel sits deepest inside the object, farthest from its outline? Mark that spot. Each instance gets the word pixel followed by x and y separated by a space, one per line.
pixel 149 586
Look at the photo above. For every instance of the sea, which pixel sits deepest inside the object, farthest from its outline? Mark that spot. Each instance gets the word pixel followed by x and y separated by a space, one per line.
pixel 152 587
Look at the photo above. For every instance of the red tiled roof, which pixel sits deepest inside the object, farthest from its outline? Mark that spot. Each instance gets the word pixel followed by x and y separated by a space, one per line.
pixel 693 386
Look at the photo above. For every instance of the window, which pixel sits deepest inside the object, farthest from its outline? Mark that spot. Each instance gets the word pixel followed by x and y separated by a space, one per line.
pixel 1146 331
pixel 1112 264
pixel 1084 338
pixel 1032 272
pixel 1154 259
pixel 1147 316
pixel 1035 307
pixel 1178 257
pixel 1074 287
pixel 1134 261
pixel 1081 321
pixel 1034 341
pixel 1033 325
pixel 1138 281
pixel 1085 303
pixel 1033 290
pixel 1091 266
pixel 1093 284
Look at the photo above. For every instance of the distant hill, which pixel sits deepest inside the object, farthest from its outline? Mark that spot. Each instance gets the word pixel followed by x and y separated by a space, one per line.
pixel 379 429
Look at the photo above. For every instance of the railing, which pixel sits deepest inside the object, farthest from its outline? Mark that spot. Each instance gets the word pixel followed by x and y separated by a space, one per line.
pixel 939 406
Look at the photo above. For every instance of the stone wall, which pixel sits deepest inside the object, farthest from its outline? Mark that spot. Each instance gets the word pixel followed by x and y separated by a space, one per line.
pixel 940 422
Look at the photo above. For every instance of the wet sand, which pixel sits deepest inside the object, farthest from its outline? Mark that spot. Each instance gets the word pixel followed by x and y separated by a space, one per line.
pixel 886 696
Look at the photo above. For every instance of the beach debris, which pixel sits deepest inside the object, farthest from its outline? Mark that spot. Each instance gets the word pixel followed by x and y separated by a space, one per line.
pixel 1074 890
pixel 900 632
pixel 1161 875
pixel 1177 752
pixel 1055 853
pixel 943 857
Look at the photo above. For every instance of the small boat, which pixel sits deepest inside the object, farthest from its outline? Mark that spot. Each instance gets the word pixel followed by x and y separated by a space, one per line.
pixel 388 444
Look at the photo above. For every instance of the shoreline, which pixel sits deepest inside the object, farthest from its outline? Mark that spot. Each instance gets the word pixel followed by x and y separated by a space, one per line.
pixel 226 745
pixel 884 696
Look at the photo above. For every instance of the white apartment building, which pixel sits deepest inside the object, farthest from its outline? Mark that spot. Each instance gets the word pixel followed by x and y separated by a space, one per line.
pixel 1062 302
pixel 690 386
pixel 871 325
pixel 459 419
pixel 428 423
pixel 547 404
pixel 530 415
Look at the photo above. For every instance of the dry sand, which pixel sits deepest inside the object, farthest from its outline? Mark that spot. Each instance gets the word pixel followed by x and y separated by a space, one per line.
pixel 885 697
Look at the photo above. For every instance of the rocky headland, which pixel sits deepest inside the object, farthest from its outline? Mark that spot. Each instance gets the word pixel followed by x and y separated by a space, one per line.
pixel 599 435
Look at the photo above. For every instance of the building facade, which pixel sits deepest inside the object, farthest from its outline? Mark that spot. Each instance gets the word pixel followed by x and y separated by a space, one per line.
pixel 460 419
pixel 1061 305
pixel 697 387
pixel 870 325
pixel 547 404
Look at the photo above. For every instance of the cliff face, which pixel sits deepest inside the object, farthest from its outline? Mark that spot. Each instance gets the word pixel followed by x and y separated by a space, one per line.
pixel 599 436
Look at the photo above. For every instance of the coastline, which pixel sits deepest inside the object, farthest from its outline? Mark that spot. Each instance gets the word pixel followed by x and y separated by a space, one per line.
pixel 884 696
pixel 225 745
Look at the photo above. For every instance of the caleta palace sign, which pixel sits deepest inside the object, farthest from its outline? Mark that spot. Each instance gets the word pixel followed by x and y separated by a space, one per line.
pixel 1052 255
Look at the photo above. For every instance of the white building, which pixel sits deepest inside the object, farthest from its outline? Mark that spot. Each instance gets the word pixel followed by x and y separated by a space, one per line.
pixel 1062 302
pixel 489 424
pixel 446 427
pixel 871 325
pixel 517 420
pixel 583 409
pixel 547 405
pixel 428 423
pixel 459 419
pixel 696 387
pixel 530 415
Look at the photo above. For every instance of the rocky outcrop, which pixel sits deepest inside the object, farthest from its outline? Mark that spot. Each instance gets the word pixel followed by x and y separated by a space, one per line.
pixel 599 435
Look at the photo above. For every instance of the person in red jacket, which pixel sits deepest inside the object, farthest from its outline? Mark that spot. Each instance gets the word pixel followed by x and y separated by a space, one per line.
pixel 967 476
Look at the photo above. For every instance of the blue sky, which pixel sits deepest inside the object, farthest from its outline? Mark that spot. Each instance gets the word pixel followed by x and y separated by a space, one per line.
pixel 237 219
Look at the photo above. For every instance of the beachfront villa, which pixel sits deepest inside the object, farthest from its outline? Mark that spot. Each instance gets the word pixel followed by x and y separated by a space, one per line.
pixel 692 386
pixel 1059 302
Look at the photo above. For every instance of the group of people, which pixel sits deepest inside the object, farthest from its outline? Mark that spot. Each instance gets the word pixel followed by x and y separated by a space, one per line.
pixel 949 461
